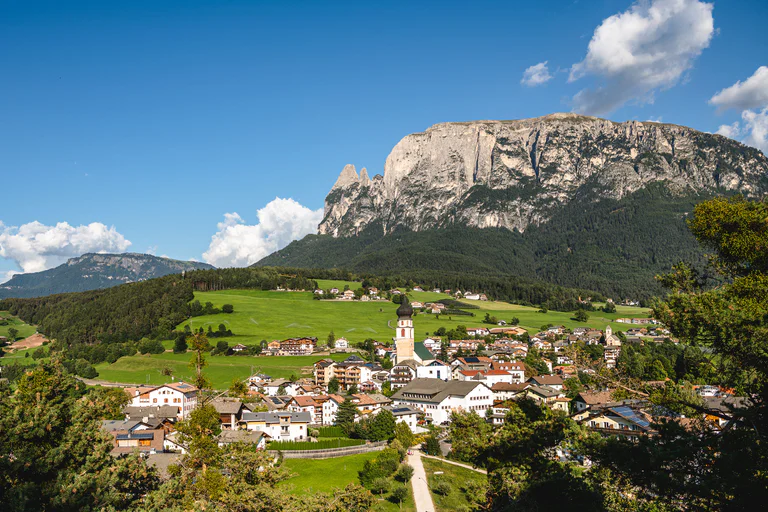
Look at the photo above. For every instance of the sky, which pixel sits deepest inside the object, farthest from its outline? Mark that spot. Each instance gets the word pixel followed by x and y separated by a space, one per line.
pixel 214 130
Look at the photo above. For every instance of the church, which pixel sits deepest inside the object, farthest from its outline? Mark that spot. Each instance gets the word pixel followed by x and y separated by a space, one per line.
pixel 405 346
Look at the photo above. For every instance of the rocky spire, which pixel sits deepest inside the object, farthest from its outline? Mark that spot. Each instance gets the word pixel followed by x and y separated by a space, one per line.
pixel 347 177
pixel 365 181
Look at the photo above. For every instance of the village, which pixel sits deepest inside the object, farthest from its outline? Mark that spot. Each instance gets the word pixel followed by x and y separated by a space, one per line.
pixel 421 384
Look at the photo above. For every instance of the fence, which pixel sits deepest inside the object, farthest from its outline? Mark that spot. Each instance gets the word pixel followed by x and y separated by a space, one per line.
pixel 332 452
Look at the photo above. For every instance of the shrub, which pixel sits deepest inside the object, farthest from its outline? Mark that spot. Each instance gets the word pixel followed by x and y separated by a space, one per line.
pixel 331 432
pixel 84 369
pixel 399 494
pixel 310 445
pixel 371 471
pixel 432 446
pixel 398 447
pixel 227 308
pixel 379 486
pixel 442 488
pixel 314 433
pixel 151 347
pixel 405 473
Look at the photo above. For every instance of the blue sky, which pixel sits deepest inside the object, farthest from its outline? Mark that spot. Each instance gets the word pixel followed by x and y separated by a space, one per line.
pixel 158 118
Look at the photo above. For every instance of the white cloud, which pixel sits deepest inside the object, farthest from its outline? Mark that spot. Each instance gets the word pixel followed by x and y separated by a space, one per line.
pixel 749 94
pixel 729 130
pixel 646 48
pixel 536 75
pixel 756 124
pixel 36 247
pixel 152 250
pixel 280 222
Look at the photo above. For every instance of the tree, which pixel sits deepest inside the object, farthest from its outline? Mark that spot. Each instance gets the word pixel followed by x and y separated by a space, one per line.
pixel 199 344
pixel 227 308
pixel 468 431
pixel 431 445
pixel 345 416
pixel 405 473
pixel 514 321
pixel 180 345
pixel 581 315
pixel 609 307
pixel 400 494
pixel 404 435
pixel 238 388
pixel 331 340
pixel 333 385
pixel 13 333
pixel 383 426
pixel 352 390
pixel 53 453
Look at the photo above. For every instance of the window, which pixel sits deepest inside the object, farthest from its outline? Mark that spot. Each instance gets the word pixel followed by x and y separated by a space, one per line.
pixel 154 400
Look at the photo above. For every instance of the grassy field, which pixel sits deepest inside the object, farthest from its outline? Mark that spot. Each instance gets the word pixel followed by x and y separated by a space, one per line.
pixel 261 315
pixel 457 477
pixel 323 475
pixel 140 369
pixel 24 329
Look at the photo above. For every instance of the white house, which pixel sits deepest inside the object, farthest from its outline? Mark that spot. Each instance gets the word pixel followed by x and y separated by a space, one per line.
pixel 434 370
pixel 278 425
pixel 432 344
pixel 181 395
pixel 437 399
pixel 407 415
pixel 341 344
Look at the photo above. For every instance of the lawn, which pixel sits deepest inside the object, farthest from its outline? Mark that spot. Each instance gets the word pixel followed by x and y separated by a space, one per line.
pixel 220 370
pixel 261 315
pixel 323 475
pixel 457 477
pixel 23 328
pixel 327 284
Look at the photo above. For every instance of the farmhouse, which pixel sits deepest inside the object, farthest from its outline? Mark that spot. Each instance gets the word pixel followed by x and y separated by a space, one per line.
pixel 280 426
pixel 180 395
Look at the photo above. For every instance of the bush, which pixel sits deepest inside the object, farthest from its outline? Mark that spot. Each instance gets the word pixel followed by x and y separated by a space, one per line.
pixel 371 471
pixel 389 460
pixel 379 486
pixel 39 353
pixel 331 432
pixel 314 433
pixel 398 446
pixel 432 446
pixel 405 473
pixel 442 488
pixel 84 369
pixel 227 308
pixel 310 445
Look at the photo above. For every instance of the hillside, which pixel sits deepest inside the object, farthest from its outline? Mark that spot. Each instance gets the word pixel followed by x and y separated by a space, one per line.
pixel 572 200
pixel 95 271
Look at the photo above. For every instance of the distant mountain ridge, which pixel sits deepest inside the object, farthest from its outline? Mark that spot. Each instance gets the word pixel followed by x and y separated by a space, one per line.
pixel 94 271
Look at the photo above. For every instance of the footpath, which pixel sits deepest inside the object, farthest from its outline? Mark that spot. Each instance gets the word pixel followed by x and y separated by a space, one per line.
pixel 421 493
pixel 467 466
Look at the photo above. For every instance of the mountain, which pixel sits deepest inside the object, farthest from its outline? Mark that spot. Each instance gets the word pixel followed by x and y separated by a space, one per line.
pixel 94 271
pixel 574 200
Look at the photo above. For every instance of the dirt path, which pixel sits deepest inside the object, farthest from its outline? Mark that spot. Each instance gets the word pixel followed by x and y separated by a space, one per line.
pixel 36 340
pixel 467 466
pixel 421 493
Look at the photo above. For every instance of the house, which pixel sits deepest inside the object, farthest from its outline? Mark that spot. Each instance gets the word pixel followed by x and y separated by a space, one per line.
pixel 417 305
pixel 230 411
pixel 552 397
pixel 341 344
pixel 180 395
pixel 507 391
pixel 334 291
pixel 437 399
pixel 134 436
pixel 297 346
pixel 473 362
pixel 402 373
pixel 472 296
pixel 552 381
pixel 434 370
pixel 348 295
pixel 239 347
pixel 165 415
pixel 273 388
pixel 515 369
pixel 407 415
pixel 280 426
pixel 491 377
pixel 621 420
pixel 309 404
pixel 478 331
pixel 589 399
pixel 319 292
pixel 373 290
pixel 462 374
pixel 251 437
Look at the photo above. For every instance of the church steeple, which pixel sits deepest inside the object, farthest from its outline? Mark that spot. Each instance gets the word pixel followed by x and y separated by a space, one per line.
pixel 404 336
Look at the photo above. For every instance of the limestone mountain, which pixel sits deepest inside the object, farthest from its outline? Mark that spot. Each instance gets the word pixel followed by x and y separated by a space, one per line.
pixel 513 174
pixel 94 271
pixel 577 201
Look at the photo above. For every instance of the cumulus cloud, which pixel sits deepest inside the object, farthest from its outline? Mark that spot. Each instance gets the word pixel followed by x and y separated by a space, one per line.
pixel 36 247
pixel 644 49
pixel 756 124
pixel 729 130
pixel 749 94
pixel 281 221
pixel 536 75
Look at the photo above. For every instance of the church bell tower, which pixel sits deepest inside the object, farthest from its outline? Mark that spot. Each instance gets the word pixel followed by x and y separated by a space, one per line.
pixel 404 337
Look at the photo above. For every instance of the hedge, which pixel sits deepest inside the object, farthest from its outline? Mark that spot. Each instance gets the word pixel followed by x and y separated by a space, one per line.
pixel 331 432
pixel 308 445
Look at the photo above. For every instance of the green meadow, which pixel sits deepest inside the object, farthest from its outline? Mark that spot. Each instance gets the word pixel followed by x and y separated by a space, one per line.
pixel 13 322
pixel 323 475
pixel 455 475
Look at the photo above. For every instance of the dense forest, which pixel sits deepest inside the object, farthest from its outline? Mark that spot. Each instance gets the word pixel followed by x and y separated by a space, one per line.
pixel 612 246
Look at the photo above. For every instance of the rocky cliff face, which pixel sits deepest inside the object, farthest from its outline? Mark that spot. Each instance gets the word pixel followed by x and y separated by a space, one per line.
pixel 512 174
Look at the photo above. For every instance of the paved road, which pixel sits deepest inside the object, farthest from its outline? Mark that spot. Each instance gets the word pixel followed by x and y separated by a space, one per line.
pixel 421 494
pixel 477 470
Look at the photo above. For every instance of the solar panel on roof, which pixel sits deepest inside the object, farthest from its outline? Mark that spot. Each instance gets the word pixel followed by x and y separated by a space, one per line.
pixel 471 359
pixel 628 413
pixel 401 409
